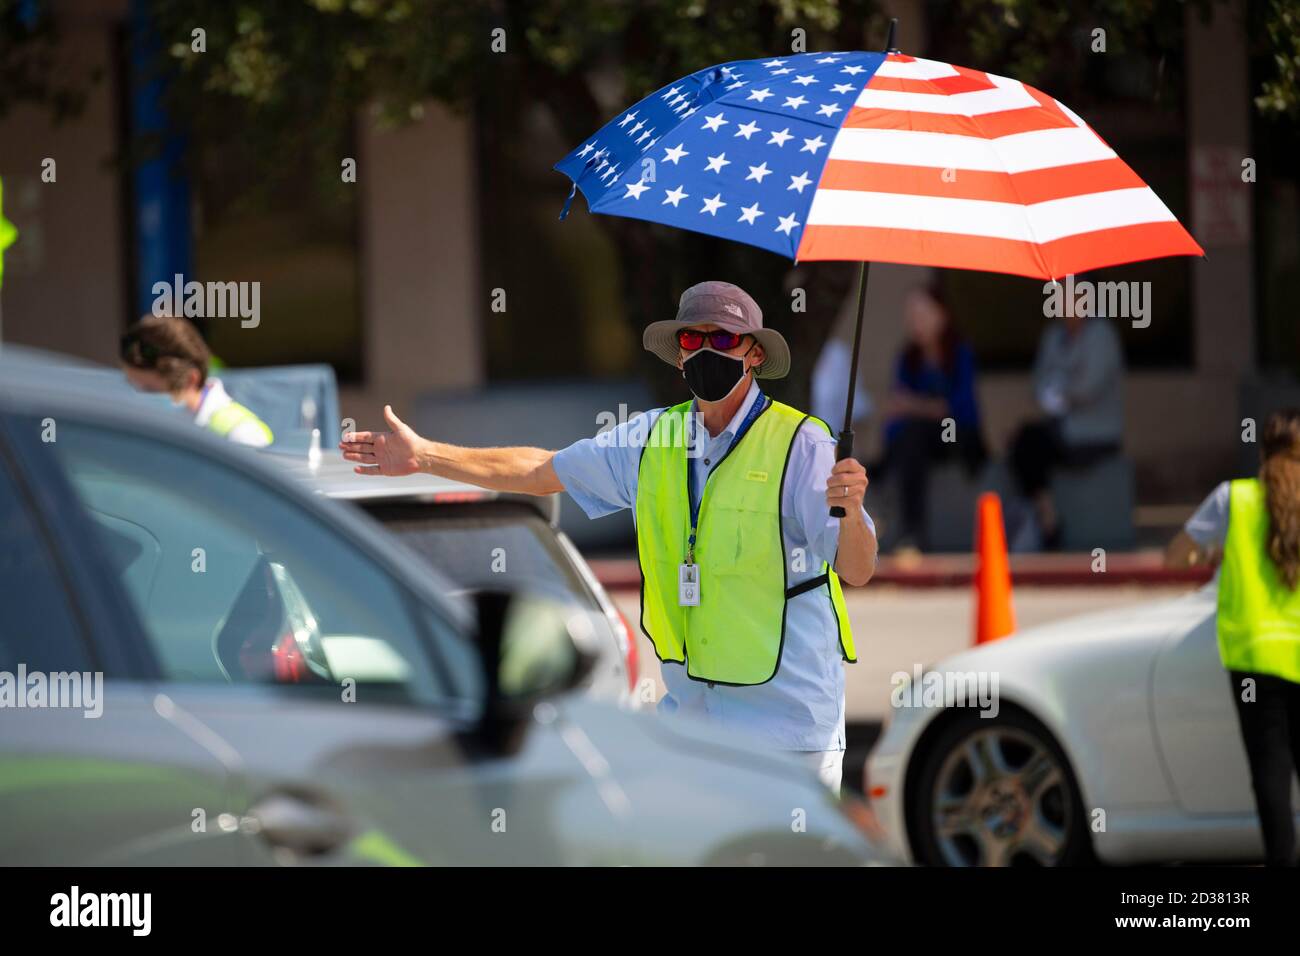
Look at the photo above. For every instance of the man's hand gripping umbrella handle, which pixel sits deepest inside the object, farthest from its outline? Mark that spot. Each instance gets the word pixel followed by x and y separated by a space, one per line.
pixel 843 449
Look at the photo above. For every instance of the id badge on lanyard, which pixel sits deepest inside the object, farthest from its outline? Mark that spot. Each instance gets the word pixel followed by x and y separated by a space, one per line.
pixel 688 584
pixel 688 572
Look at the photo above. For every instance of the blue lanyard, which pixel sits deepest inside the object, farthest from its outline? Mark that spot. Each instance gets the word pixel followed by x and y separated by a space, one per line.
pixel 756 409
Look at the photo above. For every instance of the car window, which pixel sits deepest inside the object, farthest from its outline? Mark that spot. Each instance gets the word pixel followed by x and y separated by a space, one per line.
pixel 489 545
pixel 235 582
pixel 37 627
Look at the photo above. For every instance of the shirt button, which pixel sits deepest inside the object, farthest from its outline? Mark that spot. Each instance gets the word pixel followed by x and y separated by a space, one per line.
pixel 706 461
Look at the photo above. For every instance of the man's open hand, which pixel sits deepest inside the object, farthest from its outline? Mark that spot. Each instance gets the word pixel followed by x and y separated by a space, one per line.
pixel 384 453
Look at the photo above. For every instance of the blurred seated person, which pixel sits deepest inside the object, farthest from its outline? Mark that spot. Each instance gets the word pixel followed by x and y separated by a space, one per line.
pixel 162 354
pixel 1079 386
pixel 931 413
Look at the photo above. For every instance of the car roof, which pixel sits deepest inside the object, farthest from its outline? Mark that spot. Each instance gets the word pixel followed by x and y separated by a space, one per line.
pixel 272 384
pixel 31 355
pixel 25 369
pixel 331 475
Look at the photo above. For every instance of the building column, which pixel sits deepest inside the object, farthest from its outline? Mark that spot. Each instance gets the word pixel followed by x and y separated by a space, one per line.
pixel 1219 108
pixel 65 279
pixel 422 306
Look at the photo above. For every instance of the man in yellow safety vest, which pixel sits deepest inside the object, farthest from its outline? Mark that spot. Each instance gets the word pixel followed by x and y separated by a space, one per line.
pixel 740 558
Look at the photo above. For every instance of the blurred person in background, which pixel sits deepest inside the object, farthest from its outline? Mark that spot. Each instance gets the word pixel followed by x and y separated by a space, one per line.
pixel 934 380
pixel 167 355
pixel 1079 386
pixel 830 383
pixel 1255 523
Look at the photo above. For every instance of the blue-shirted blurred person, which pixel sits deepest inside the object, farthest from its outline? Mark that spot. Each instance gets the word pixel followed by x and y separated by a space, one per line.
pixel 932 413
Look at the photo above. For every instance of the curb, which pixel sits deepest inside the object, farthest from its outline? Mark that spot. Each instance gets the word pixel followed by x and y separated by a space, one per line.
pixel 958 570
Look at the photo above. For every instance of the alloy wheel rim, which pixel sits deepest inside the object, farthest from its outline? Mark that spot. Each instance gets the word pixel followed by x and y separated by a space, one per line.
pixel 1000 799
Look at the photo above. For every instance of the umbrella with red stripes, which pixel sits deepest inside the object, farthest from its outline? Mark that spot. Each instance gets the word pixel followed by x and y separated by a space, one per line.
pixel 876 157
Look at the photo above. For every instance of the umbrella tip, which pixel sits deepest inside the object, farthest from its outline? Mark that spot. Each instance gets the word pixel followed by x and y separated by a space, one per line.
pixel 568 201
pixel 889 39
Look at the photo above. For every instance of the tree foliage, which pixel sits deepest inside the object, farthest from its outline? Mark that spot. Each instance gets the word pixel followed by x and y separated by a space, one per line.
pixel 286 78
pixel 1280 93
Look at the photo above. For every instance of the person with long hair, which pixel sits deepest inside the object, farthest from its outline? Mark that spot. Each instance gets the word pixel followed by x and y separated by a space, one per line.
pixel 1255 523
pixel 931 413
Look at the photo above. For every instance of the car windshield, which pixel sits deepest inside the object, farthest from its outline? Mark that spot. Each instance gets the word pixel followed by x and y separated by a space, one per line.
pixel 487 545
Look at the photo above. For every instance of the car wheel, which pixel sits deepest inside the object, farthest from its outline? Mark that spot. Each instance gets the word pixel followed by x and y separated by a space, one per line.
pixel 997 792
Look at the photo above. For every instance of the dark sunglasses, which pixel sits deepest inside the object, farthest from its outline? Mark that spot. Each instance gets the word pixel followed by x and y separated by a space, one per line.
pixel 719 339
pixel 137 352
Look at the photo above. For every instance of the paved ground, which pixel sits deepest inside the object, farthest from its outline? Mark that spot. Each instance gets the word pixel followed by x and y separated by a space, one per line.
pixel 896 628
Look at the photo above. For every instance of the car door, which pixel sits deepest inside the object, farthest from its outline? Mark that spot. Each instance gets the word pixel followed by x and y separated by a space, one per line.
pixel 342 700
pixel 90 772
pixel 1196 717
pixel 498 543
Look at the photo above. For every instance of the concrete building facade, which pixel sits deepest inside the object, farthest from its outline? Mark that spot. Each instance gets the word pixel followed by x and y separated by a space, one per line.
pixel 69 279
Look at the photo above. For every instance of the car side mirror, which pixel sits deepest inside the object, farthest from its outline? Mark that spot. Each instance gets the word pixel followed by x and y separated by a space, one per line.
pixel 532 648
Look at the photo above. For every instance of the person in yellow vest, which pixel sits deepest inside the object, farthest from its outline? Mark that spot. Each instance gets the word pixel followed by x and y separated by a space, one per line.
pixel 740 559
pixel 1255 522
pixel 167 355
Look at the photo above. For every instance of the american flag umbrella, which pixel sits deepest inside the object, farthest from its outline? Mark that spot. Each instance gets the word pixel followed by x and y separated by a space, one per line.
pixel 876 157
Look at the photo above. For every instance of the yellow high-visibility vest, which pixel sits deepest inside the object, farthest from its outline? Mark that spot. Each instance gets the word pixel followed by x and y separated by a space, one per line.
pixel 735 634
pixel 1259 617
pixel 7 233
pixel 229 417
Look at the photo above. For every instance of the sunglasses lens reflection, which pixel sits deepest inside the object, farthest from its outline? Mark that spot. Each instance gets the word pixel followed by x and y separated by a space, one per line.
pixel 690 339
pixel 720 339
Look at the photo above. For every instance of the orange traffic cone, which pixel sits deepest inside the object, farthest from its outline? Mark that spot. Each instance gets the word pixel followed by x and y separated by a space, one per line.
pixel 994 616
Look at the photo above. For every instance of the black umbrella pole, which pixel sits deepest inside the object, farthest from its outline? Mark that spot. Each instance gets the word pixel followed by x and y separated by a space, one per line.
pixel 845 447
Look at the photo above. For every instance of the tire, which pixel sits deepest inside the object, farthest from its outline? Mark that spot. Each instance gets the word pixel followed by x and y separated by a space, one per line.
pixel 1026 811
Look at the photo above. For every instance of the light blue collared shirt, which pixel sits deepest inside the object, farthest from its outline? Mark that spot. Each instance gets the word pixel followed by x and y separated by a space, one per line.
pixel 802 707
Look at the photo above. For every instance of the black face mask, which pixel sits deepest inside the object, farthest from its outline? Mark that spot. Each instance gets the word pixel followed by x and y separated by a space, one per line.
pixel 712 375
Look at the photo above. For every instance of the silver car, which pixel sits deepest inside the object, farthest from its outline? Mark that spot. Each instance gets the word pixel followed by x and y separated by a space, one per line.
pixel 479 539
pixel 203 663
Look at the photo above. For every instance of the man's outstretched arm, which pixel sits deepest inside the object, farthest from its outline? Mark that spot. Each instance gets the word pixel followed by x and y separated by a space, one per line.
pixel 401 451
